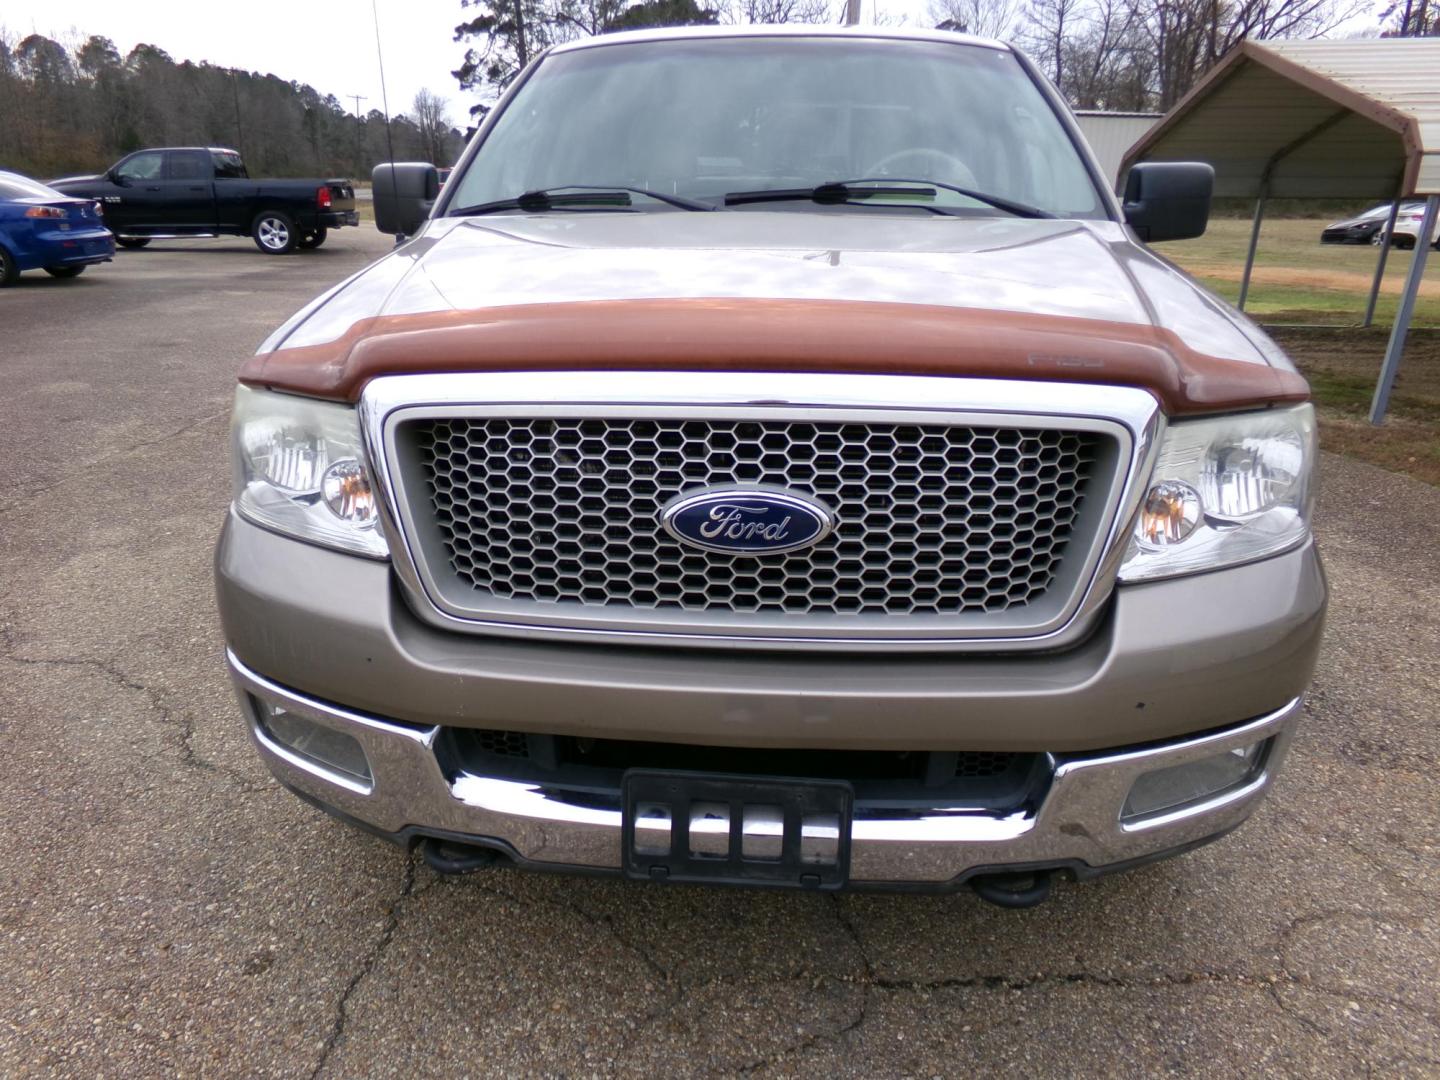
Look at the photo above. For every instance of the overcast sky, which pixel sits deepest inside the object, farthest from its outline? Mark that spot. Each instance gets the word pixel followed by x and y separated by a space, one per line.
pixel 331 46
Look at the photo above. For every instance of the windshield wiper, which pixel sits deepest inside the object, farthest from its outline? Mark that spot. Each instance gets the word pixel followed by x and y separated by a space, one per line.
pixel 569 196
pixel 846 191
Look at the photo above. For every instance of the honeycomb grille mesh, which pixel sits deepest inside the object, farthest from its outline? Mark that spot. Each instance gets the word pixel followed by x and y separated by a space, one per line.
pixel 931 519
pixel 982 764
pixel 503 743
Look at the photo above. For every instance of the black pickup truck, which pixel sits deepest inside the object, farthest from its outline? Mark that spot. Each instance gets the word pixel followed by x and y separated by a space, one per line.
pixel 198 191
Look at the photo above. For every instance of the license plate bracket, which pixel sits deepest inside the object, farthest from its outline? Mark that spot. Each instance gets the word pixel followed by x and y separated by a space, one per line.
pixel 718 828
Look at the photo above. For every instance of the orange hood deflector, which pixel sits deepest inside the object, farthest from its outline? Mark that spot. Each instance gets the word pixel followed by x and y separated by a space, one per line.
pixel 777 336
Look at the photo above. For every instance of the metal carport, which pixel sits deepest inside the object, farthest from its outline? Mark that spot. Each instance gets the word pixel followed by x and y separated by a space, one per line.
pixel 1318 119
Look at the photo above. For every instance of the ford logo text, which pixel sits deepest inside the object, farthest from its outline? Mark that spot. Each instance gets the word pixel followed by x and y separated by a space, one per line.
pixel 747 521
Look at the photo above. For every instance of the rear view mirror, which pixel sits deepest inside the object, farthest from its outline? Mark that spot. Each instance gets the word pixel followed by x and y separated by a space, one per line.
pixel 404 192
pixel 1168 200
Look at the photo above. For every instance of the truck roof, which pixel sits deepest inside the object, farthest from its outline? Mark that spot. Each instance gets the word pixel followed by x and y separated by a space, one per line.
pixel 205 149
pixel 678 33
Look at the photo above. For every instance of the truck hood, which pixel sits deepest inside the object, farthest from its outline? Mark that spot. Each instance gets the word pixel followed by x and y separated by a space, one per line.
pixel 74 180
pixel 796 286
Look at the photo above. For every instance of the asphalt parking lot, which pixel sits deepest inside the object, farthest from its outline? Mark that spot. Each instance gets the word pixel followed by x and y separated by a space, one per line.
pixel 165 908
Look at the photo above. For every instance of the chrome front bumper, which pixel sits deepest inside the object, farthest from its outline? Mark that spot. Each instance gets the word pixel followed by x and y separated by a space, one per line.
pixel 1077 824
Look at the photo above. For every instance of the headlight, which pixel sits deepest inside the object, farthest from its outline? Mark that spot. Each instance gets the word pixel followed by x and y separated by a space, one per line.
pixel 300 470
pixel 1225 490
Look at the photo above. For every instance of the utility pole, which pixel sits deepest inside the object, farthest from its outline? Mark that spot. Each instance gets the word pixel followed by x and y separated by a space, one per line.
pixel 239 131
pixel 852 12
pixel 359 146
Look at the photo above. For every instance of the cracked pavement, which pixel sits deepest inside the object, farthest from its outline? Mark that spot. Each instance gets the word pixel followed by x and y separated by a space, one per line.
pixel 165 908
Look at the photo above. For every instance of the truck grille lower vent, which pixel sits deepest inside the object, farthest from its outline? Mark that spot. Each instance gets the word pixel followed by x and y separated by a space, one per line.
pixel 503 743
pixel 471 746
pixel 983 763
pixel 932 519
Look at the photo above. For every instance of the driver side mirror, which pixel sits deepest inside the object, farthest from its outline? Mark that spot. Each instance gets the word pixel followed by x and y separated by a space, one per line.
pixel 116 177
pixel 404 193
pixel 1168 200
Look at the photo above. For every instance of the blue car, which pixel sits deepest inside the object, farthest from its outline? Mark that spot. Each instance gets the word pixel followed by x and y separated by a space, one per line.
pixel 42 229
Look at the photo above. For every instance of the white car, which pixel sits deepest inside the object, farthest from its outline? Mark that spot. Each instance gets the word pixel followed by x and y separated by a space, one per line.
pixel 1407 228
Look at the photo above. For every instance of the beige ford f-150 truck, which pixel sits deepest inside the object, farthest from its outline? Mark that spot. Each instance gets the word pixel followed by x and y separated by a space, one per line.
pixel 776 458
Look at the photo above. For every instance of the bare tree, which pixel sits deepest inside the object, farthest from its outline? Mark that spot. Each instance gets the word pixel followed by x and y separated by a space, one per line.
pixel 985 18
pixel 587 18
pixel 1187 37
pixel 1147 54
pixel 1052 24
pixel 430 118
pixel 778 11
pixel 1102 68
pixel 1417 18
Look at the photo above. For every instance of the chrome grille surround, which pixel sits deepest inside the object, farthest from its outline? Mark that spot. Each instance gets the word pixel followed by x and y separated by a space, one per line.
pixel 933 519
pixel 1110 431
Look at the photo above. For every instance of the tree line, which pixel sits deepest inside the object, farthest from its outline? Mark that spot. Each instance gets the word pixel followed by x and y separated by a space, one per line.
pixel 1140 55
pixel 80 107
pixel 502 36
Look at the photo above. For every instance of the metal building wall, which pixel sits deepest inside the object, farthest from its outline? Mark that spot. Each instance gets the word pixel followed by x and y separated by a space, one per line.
pixel 1110 134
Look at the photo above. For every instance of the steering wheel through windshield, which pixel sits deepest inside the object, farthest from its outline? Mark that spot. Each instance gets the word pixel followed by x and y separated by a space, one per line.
pixel 931 162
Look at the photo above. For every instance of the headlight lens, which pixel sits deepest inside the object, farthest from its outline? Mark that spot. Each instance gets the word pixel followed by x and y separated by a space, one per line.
pixel 1225 490
pixel 299 469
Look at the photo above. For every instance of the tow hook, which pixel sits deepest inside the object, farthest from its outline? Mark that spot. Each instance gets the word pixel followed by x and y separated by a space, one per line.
pixel 446 857
pixel 1013 890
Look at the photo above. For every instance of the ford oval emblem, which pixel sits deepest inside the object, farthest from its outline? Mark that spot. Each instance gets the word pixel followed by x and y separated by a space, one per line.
pixel 747 521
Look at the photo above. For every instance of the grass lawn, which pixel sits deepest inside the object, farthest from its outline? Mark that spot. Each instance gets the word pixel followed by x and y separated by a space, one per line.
pixel 1299 280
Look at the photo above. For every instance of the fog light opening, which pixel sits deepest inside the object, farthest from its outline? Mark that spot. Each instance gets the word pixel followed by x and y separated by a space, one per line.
pixel 1178 787
pixel 331 750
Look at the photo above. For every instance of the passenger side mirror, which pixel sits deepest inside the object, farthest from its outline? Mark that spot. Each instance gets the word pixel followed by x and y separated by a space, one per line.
pixel 404 193
pixel 1168 200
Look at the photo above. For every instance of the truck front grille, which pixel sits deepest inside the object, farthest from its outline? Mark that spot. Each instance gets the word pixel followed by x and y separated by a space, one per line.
pixel 933 520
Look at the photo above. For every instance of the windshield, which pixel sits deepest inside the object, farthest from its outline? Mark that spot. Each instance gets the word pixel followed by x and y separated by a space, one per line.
pixel 701 118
